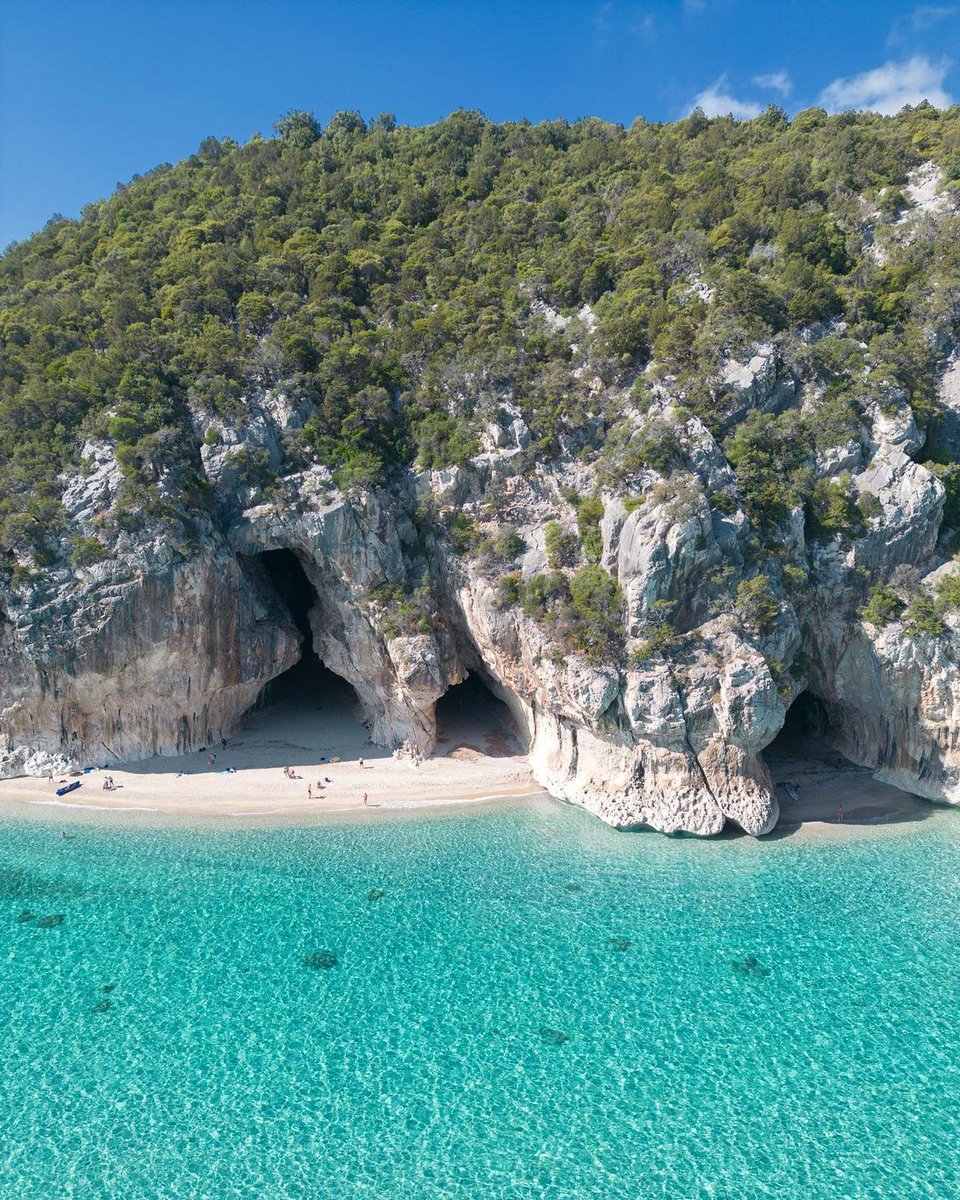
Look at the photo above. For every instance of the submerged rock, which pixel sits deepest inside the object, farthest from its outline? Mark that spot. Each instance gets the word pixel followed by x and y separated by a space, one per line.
pixel 26 915
pixel 574 888
pixel 51 922
pixel 749 967
pixel 619 943
pixel 101 1006
pixel 321 960
pixel 107 987
pixel 375 894
pixel 553 1037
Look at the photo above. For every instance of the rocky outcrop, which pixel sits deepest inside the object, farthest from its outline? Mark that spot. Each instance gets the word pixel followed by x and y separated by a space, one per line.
pixel 158 649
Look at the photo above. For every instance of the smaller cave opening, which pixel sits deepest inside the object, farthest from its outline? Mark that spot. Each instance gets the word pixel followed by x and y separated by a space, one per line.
pixel 807 717
pixel 469 716
pixel 815 781
pixel 805 737
pixel 285 572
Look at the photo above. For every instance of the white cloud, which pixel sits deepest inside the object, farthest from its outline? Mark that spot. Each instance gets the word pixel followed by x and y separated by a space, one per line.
pixel 777 81
pixel 888 88
pixel 716 101
pixel 920 20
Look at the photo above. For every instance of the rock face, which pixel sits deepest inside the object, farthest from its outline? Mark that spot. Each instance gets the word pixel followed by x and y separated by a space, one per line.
pixel 161 650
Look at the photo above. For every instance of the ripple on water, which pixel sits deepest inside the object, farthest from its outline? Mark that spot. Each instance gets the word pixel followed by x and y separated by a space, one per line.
pixel 726 1019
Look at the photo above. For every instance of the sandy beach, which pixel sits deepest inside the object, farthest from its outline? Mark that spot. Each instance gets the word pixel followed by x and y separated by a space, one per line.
pixel 818 790
pixel 334 769
pixel 336 772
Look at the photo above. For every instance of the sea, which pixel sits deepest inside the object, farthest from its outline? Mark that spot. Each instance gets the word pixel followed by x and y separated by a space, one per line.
pixel 514 1003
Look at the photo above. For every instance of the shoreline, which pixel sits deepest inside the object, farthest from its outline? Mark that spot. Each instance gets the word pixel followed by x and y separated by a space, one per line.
pixel 294 763
pixel 285 768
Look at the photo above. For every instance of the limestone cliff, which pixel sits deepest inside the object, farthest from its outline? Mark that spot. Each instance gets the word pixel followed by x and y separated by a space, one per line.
pixel 655 714
pixel 150 652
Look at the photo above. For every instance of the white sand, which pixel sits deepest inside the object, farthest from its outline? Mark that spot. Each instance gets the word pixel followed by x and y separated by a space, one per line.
pixel 821 791
pixel 478 759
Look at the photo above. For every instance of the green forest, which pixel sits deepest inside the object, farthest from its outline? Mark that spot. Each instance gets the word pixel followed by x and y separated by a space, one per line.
pixel 395 278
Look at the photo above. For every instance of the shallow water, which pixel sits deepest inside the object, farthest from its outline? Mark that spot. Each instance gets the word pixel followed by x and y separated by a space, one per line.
pixel 535 1006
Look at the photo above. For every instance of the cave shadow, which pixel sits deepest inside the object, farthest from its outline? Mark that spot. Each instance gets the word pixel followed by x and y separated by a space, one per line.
pixel 470 718
pixel 305 716
pixel 814 782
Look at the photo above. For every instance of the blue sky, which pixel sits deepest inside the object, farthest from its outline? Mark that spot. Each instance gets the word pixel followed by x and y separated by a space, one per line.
pixel 94 91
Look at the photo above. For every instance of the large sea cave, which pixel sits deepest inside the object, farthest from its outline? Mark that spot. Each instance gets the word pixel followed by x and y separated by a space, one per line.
pixel 814 781
pixel 309 683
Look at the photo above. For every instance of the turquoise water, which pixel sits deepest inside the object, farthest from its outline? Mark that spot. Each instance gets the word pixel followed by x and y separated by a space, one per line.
pixel 480 1034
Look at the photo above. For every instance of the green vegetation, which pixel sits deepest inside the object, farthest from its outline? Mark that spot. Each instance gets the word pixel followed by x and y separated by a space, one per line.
pixel 756 604
pixel 386 276
pixel 770 456
pixel 397 611
pixel 922 616
pixel 561 546
pixel 581 611
pixel 834 509
pixel 589 516
pixel 947 593
pixel 883 606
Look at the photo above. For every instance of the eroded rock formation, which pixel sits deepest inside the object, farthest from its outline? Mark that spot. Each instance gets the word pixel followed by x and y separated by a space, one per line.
pixel 154 651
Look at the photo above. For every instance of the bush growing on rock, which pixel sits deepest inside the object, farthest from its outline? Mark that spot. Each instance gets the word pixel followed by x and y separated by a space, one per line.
pixel 947 592
pixel 757 606
pixel 922 616
pixel 589 516
pixel 561 545
pixel 883 606
pixel 834 509
pixel 770 456
pixel 596 600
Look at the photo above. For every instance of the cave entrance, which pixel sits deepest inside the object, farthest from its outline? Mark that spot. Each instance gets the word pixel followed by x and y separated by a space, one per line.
pixel 805 737
pixel 812 779
pixel 470 717
pixel 308 692
pixel 807 717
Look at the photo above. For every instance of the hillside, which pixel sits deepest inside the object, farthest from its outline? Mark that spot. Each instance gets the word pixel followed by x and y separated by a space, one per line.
pixel 656 429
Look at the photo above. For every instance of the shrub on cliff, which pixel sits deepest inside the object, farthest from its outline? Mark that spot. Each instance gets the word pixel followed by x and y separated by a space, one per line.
pixel 922 616
pixel 589 516
pixel 757 606
pixel 770 455
pixel 561 545
pixel 596 600
pixel 883 606
pixel 394 280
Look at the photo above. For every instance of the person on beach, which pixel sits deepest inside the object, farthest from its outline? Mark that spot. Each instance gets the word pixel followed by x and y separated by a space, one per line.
pixel 309 791
pixel 209 760
pixel 361 764
pixel 364 799
pixel 841 813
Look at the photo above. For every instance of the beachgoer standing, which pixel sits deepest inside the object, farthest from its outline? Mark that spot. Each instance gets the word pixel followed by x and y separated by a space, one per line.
pixel 309 791
pixel 364 799
pixel 361 764
pixel 841 813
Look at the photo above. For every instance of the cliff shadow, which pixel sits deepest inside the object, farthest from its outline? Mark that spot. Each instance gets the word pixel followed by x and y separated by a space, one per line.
pixel 470 718
pixel 813 781
pixel 308 711
pixel 305 716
